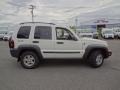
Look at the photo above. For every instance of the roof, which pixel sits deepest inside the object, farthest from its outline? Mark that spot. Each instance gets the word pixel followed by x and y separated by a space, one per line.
pixel 37 22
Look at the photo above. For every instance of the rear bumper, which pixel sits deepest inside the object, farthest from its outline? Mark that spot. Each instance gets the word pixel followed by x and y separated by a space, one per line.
pixel 5 38
pixel 14 53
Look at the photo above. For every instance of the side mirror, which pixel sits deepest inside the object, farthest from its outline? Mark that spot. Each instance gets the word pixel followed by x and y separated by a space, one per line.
pixel 74 38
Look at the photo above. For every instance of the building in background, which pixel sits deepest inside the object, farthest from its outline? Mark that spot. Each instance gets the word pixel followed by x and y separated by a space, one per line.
pixel 98 24
pixel 2 28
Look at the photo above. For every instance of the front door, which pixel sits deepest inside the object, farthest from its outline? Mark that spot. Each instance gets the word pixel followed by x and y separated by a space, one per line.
pixel 66 44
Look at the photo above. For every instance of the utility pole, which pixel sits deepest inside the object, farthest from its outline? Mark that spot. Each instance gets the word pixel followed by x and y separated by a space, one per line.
pixel 32 7
pixel 76 24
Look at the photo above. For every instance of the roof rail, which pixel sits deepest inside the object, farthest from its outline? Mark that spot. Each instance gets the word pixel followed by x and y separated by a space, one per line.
pixel 37 22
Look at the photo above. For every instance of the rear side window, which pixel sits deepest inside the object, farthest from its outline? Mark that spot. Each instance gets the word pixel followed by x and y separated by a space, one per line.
pixel 43 32
pixel 24 32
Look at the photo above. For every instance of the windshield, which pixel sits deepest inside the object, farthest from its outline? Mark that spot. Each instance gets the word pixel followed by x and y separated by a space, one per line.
pixel 118 30
pixel 3 32
pixel 108 32
pixel 10 33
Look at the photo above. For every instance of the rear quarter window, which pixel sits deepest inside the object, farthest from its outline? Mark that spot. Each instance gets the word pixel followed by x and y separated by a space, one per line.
pixel 24 32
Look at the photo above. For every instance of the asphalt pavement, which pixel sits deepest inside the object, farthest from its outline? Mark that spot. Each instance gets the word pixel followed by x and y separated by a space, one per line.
pixel 60 74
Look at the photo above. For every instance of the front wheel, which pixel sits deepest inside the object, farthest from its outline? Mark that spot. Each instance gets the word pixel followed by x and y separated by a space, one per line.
pixel 29 60
pixel 96 59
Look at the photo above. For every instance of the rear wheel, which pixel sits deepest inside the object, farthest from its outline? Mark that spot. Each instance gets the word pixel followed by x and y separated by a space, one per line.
pixel 96 59
pixel 29 60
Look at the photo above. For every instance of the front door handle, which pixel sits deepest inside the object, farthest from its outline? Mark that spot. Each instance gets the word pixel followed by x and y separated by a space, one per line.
pixel 60 42
pixel 35 41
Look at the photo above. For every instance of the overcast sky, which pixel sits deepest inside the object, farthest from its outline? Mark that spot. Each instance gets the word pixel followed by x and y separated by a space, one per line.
pixel 15 11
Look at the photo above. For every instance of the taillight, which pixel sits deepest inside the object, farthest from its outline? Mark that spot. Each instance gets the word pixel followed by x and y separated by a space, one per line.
pixel 11 43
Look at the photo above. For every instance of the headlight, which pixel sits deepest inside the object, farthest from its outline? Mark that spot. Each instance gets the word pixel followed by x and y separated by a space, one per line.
pixel 106 44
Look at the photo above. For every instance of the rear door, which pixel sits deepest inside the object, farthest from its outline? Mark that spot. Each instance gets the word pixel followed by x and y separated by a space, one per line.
pixel 43 36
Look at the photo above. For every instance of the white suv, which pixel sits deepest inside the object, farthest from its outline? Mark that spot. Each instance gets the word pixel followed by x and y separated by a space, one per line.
pixel 36 41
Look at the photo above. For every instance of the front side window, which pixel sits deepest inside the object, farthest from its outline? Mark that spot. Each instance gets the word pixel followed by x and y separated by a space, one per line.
pixel 64 34
pixel 24 32
pixel 43 32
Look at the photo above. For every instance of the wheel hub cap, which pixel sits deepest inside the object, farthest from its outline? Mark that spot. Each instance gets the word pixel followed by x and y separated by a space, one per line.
pixel 29 60
pixel 99 59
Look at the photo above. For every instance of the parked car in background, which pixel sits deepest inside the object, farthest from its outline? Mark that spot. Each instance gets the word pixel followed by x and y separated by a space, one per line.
pixel 2 34
pixel 108 33
pixel 7 36
pixel 116 32
pixel 85 33
pixel 95 35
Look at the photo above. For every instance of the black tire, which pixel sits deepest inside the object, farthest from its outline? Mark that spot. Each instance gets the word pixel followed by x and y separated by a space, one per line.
pixel 96 59
pixel 32 59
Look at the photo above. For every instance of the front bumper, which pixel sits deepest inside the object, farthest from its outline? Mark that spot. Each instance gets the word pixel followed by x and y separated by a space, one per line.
pixel 110 36
pixel 108 53
pixel 1 37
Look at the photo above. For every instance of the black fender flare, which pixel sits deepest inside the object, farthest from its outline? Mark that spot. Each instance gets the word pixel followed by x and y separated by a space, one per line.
pixel 34 48
pixel 92 47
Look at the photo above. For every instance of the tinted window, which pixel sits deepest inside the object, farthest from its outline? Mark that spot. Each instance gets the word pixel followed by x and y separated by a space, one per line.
pixel 43 32
pixel 24 32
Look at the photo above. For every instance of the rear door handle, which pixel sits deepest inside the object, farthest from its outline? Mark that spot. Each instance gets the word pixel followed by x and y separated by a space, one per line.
pixel 35 41
pixel 20 40
pixel 60 42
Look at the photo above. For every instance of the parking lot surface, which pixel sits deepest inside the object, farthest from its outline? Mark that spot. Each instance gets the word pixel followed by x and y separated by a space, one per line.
pixel 60 74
